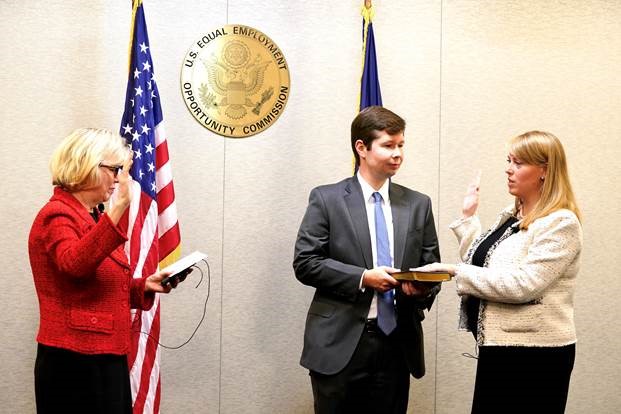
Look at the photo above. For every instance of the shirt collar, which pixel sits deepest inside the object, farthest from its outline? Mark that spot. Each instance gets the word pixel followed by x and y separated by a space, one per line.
pixel 367 190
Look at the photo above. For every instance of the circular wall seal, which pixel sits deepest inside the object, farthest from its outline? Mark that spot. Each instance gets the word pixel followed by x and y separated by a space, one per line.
pixel 235 81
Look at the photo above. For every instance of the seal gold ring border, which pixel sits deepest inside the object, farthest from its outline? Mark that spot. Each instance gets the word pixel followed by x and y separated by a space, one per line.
pixel 235 81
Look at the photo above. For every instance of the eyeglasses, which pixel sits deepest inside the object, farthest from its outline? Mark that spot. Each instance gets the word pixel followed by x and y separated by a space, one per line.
pixel 116 169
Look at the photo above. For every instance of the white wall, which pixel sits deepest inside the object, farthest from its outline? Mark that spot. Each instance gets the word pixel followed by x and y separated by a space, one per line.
pixel 466 75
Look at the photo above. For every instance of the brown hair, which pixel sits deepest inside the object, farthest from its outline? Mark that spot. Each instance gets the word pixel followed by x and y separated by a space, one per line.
pixel 369 122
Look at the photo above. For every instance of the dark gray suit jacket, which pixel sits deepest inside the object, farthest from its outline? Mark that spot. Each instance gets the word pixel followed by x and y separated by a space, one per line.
pixel 332 250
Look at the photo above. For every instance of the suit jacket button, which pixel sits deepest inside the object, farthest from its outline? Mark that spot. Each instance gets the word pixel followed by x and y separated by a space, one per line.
pixel 93 320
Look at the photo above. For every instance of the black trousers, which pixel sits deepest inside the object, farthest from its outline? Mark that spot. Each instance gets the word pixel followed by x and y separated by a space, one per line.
pixel 69 382
pixel 375 381
pixel 524 380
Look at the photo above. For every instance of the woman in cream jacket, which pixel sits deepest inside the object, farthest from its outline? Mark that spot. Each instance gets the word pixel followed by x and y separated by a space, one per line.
pixel 517 282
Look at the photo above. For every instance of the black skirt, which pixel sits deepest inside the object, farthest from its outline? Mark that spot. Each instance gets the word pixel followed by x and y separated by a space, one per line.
pixel 70 382
pixel 515 379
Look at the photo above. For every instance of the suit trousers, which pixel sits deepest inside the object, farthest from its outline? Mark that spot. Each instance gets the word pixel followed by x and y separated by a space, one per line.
pixel 72 383
pixel 520 380
pixel 375 381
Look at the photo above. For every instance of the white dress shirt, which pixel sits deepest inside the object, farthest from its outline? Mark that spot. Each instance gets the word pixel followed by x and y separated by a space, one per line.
pixel 367 193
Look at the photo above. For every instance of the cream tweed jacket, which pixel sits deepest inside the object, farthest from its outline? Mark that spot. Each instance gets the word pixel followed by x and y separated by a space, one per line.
pixel 527 284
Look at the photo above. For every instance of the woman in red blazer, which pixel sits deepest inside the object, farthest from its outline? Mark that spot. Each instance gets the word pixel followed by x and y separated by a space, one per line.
pixel 83 279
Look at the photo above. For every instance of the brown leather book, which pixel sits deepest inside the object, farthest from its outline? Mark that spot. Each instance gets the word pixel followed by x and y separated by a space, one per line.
pixel 418 276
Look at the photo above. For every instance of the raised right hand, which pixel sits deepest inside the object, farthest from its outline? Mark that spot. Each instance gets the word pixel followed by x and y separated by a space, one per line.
pixel 123 195
pixel 124 191
pixel 471 199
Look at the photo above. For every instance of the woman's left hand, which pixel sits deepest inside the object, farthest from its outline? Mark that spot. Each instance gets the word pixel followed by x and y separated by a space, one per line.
pixel 154 283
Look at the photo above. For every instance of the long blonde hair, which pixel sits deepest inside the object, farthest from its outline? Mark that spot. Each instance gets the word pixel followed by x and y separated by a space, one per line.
pixel 75 162
pixel 545 150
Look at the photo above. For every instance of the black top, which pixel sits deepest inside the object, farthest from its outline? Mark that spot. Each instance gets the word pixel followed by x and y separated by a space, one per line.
pixel 96 212
pixel 478 259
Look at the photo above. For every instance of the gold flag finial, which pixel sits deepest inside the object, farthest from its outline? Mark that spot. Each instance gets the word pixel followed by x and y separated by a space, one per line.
pixel 367 11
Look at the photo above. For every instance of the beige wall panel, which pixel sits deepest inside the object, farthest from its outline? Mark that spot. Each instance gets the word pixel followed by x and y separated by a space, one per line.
pixel 465 75
pixel 509 67
pixel 47 47
pixel 269 176
pixel 191 375
pixel 65 65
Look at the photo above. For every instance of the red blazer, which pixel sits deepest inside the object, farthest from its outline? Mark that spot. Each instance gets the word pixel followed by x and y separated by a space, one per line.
pixel 83 279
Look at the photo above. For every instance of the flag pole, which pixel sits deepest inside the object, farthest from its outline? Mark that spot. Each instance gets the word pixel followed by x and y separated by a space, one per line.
pixel 135 4
pixel 367 12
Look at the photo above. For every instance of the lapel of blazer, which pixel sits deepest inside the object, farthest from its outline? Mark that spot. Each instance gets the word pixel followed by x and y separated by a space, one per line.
pixel 119 256
pixel 355 204
pixel 400 221
pixel 70 201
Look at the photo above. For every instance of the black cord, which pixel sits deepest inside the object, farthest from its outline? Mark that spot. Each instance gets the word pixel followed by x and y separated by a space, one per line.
pixel 469 355
pixel 204 309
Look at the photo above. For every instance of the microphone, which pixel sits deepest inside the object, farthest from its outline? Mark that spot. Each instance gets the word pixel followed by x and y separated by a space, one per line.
pixel 97 211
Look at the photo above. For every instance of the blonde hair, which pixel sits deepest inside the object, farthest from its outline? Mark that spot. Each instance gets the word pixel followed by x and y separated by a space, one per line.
pixel 75 162
pixel 545 150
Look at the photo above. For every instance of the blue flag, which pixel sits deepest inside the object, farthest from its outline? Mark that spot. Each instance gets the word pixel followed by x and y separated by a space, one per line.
pixel 370 93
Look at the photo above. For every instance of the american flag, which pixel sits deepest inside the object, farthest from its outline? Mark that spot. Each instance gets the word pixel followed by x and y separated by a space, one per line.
pixel 152 227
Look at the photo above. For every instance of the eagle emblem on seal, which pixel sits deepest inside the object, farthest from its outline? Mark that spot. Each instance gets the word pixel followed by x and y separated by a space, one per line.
pixel 234 79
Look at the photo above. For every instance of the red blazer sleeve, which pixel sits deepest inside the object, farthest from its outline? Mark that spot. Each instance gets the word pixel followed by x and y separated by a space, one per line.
pixel 78 256
pixel 138 298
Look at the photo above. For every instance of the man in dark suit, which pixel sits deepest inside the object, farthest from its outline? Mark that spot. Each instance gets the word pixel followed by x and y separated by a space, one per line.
pixel 363 333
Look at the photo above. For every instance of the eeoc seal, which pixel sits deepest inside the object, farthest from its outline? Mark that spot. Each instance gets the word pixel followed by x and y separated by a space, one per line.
pixel 235 81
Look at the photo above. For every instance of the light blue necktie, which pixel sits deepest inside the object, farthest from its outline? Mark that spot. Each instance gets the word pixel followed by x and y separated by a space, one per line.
pixel 386 319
